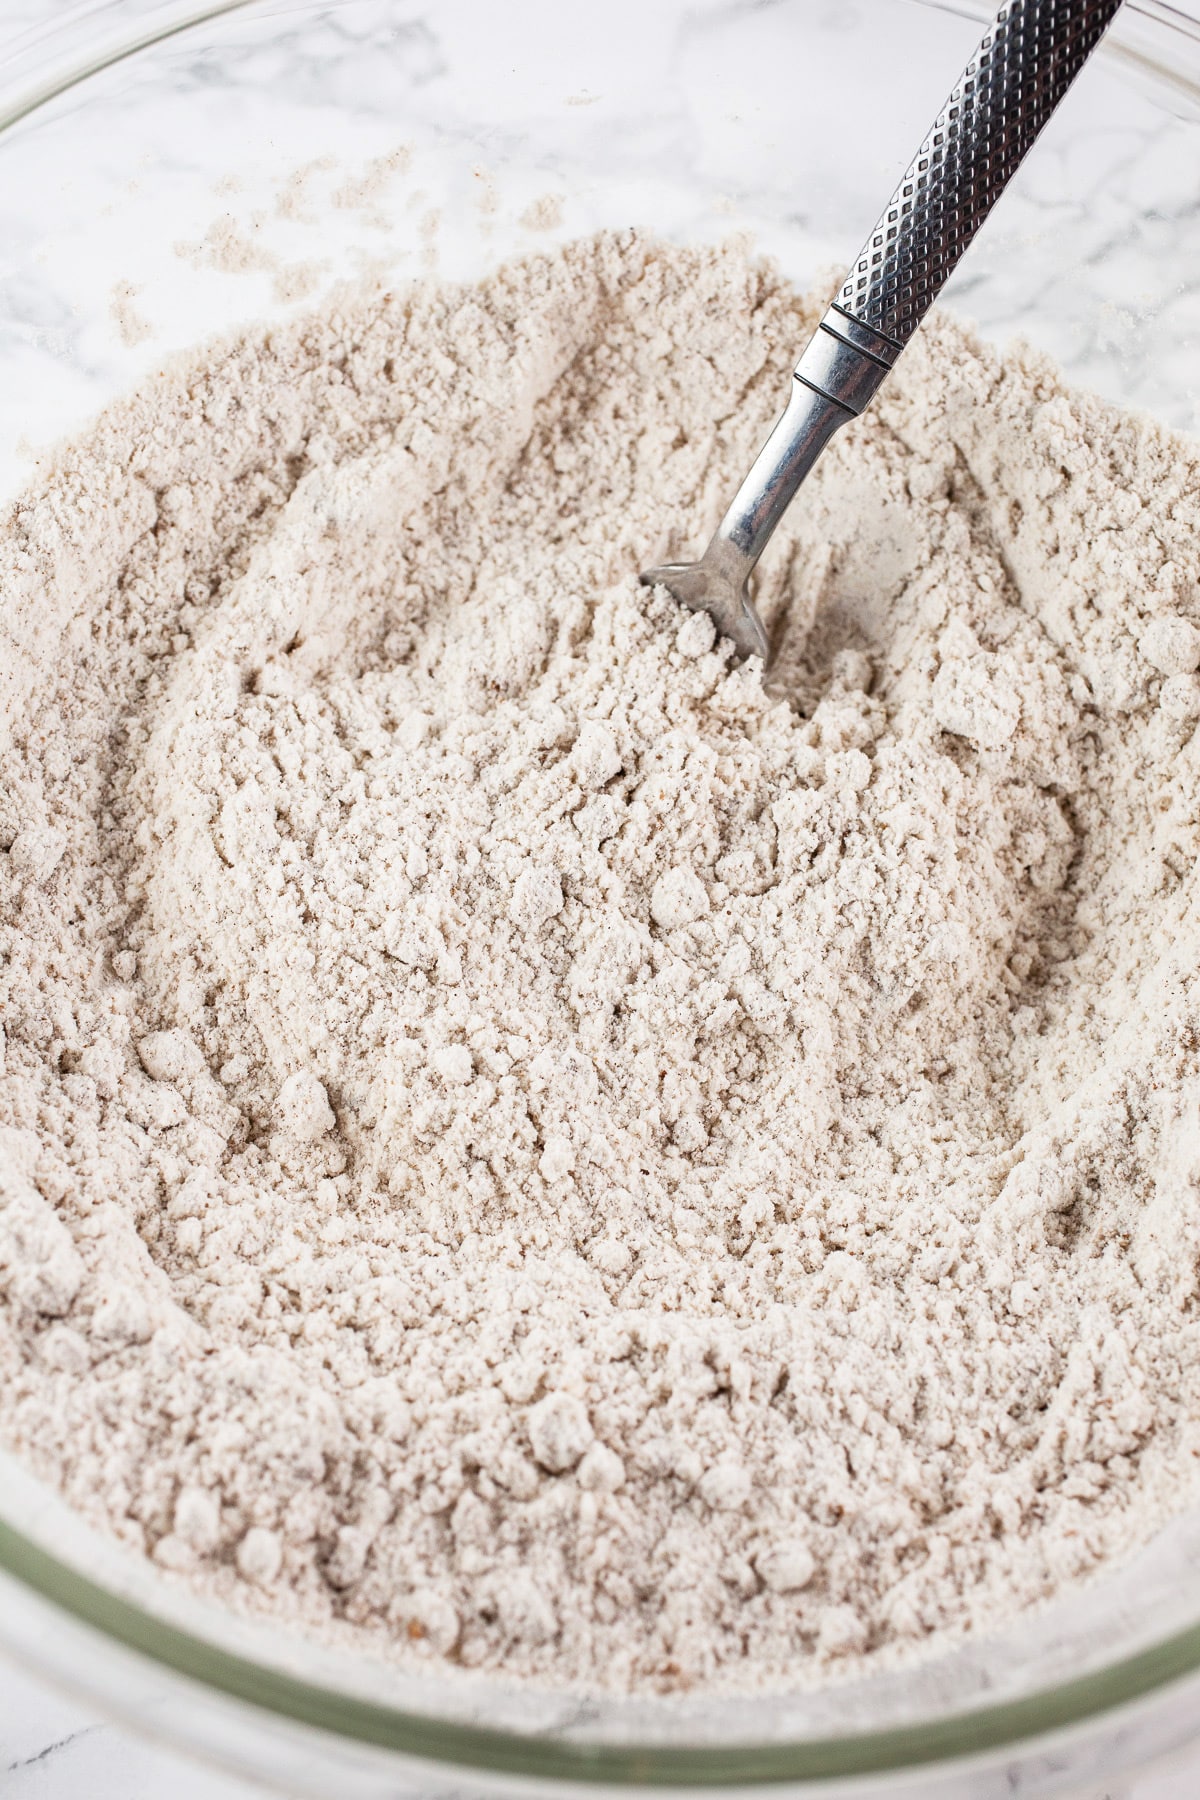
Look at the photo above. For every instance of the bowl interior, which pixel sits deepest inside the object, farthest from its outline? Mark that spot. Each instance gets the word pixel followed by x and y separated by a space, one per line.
pixel 239 166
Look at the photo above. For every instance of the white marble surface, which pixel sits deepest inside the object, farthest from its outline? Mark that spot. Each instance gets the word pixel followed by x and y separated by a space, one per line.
pixel 53 1748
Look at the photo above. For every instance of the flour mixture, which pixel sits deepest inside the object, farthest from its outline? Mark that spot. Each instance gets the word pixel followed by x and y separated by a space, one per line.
pixel 515 1141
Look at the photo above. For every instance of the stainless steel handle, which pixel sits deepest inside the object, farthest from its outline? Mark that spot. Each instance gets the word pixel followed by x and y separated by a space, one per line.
pixel 1026 62
pixel 1024 65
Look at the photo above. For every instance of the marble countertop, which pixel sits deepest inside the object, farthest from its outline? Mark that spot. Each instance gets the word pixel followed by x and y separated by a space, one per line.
pixel 53 1748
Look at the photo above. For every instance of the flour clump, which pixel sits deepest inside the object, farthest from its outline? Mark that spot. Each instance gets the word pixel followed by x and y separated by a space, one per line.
pixel 519 1145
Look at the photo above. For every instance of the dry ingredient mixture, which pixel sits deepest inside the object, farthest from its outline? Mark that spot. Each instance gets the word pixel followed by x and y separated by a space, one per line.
pixel 515 1140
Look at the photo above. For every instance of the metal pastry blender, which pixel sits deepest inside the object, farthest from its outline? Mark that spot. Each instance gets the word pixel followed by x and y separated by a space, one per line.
pixel 1027 60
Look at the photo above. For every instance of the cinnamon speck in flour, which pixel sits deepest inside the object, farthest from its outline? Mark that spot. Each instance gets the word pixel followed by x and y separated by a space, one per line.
pixel 518 1143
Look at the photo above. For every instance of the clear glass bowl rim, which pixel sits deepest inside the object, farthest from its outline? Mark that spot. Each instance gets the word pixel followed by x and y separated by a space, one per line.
pixel 38 68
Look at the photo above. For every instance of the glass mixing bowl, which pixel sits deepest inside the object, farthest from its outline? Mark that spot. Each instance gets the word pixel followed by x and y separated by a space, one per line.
pixel 164 175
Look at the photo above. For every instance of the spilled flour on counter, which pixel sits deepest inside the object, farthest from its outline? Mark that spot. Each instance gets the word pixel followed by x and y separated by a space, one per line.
pixel 514 1140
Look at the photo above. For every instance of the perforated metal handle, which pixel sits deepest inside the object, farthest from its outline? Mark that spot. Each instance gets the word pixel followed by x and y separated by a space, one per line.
pixel 1028 59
